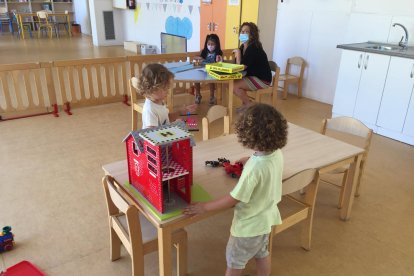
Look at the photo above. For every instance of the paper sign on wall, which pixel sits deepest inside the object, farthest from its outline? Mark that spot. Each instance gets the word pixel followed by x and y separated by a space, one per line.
pixel 234 2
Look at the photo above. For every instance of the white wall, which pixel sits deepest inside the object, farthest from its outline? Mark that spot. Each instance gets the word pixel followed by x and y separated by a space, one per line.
pixel 313 28
pixel 97 7
pixel 81 9
pixel 149 19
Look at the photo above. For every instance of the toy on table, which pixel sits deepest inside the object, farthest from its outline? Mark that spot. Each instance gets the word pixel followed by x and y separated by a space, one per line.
pixel 6 239
pixel 160 165
pixel 191 122
pixel 234 170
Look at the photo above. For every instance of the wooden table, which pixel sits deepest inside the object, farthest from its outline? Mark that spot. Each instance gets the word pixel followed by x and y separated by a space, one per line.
pixel 305 149
pixel 199 75
pixel 19 17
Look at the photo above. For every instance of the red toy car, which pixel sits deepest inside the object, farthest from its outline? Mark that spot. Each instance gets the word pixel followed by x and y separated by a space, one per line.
pixel 233 170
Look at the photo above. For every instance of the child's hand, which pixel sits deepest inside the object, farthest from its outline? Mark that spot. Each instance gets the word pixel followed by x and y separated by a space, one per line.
pixel 219 58
pixel 243 160
pixel 189 108
pixel 194 209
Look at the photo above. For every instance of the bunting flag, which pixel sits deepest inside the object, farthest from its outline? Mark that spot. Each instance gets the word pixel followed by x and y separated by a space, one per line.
pixel 175 8
pixel 178 9
pixel 136 12
pixel 165 7
pixel 190 8
pixel 148 6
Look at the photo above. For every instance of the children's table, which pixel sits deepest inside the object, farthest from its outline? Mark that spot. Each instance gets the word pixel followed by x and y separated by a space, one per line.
pixel 305 149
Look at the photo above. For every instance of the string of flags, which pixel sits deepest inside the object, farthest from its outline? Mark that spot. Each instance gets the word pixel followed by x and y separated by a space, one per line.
pixel 162 5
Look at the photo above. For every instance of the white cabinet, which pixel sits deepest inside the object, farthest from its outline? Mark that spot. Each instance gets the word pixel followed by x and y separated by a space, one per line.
pixel 397 94
pixel 379 91
pixel 374 72
pixel 360 84
pixel 408 129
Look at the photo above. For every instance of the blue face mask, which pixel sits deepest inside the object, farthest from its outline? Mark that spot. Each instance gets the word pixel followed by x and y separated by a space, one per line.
pixel 243 38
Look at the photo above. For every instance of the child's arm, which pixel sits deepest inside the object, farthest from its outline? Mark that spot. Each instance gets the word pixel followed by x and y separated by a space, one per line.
pixel 224 202
pixel 184 110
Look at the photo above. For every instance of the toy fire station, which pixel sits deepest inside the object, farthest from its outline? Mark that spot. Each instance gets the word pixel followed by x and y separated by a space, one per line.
pixel 160 164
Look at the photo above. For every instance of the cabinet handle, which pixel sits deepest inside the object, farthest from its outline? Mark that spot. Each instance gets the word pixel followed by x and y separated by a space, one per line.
pixel 366 62
pixel 412 71
pixel 359 61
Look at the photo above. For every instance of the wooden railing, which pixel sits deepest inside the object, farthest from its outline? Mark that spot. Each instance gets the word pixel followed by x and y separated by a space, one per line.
pixel 40 88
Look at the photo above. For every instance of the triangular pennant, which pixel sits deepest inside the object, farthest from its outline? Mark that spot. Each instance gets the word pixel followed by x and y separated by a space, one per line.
pixel 190 8
pixel 175 8
pixel 165 7
pixel 148 6
pixel 178 9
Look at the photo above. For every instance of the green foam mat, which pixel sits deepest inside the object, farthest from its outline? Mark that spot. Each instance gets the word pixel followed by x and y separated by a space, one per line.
pixel 198 194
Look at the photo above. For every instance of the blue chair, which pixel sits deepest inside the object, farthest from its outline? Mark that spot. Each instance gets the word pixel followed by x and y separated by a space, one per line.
pixel 5 19
pixel 24 26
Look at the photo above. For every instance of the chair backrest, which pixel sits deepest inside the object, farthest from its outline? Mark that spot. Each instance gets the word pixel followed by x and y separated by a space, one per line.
pixel 214 113
pixel 298 181
pixel 42 15
pixel 276 73
pixel 137 105
pixel 295 62
pixel 3 10
pixel 4 15
pixel 350 126
pixel 117 205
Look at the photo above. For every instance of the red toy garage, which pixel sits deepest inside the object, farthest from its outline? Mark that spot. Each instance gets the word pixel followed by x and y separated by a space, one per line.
pixel 160 164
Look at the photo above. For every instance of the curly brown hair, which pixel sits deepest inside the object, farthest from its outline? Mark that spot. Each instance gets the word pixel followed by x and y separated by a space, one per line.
pixel 154 76
pixel 261 127
pixel 254 34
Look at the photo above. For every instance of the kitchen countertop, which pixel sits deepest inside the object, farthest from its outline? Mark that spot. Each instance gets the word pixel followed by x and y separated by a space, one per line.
pixel 363 47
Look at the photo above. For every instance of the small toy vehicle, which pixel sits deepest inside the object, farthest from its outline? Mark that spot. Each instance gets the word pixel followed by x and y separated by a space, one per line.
pixel 6 239
pixel 233 170
pixel 223 160
pixel 213 163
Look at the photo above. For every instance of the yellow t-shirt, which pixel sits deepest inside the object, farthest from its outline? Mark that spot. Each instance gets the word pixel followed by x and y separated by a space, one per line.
pixel 259 190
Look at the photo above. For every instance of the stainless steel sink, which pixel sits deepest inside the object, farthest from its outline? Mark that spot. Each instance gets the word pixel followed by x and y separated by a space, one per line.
pixel 384 47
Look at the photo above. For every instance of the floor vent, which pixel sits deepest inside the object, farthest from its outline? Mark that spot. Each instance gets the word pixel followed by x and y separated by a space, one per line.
pixel 109 25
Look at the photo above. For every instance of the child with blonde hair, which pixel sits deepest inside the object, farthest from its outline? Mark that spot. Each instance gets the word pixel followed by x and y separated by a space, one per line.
pixel 255 197
pixel 153 84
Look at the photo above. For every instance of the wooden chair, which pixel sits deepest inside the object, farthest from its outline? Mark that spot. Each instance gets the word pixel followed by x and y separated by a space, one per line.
pixel 214 113
pixel 43 23
pixel 24 26
pixel 135 232
pixel 310 179
pixel 289 78
pixel 351 131
pixel 136 104
pixel 272 89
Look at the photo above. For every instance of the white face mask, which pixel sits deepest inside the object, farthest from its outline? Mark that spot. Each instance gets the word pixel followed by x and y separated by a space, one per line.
pixel 211 48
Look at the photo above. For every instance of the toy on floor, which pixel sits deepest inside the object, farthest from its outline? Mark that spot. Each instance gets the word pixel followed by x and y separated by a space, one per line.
pixel 6 239
pixel 160 164
pixel 24 268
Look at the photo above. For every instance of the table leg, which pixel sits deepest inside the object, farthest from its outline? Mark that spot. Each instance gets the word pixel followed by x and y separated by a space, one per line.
pixel 350 187
pixel 230 103
pixel 164 251
pixel 19 21
pixel 69 26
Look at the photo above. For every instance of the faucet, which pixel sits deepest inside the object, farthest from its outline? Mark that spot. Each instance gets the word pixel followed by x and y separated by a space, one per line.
pixel 401 43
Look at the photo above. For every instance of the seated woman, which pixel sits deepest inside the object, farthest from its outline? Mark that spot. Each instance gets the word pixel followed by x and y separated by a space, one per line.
pixel 253 57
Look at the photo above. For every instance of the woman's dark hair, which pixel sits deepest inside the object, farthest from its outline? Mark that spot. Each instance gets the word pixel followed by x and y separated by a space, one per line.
pixel 261 127
pixel 215 39
pixel 254 34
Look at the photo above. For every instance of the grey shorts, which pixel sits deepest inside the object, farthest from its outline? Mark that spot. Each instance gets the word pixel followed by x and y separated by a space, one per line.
pixel 240 250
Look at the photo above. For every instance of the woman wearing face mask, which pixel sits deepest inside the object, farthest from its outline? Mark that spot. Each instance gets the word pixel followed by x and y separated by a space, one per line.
pixel 253 57
pixel 211 53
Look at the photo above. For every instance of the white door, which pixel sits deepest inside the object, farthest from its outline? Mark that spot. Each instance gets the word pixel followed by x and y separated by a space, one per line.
pixel 397 93
pixel 347 84
pixel 371 86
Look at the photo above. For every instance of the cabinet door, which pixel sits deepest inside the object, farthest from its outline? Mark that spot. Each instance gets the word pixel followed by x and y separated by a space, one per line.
pixel 397 93
pixel 409 119
pixel 348 81
pixel 371 86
